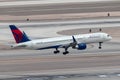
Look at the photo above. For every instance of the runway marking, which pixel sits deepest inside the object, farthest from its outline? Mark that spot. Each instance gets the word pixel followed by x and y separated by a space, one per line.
pixel 118 75
pixel 102 76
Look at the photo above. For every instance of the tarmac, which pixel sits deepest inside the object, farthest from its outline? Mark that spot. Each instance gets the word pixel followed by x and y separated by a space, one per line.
pixel 89 64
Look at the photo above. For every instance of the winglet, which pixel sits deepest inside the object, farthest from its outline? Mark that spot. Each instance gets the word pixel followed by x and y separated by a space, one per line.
pixel 18 35
pixel 74 43
pixel 74 40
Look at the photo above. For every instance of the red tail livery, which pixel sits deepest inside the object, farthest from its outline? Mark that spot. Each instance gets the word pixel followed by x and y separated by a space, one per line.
pixel 18 35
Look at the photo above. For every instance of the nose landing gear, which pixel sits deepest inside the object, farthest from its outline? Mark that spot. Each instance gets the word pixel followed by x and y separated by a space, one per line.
pixel 100 45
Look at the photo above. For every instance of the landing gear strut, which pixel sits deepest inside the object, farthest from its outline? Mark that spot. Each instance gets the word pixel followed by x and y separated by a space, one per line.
pixel 57 51
pixel 100 45
pixel 66 52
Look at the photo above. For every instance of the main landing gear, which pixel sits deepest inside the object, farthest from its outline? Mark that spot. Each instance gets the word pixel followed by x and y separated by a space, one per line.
pixel 100 45
pixel 57 51
pixel 66 52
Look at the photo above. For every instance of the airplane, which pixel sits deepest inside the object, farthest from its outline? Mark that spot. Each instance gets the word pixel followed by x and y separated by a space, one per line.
pixel 78 42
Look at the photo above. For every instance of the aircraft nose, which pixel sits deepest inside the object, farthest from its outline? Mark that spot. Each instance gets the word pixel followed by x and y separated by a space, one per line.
pixel 109 37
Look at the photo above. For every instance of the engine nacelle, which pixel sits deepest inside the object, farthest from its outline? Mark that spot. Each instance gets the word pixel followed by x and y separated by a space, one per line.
pixel 81 46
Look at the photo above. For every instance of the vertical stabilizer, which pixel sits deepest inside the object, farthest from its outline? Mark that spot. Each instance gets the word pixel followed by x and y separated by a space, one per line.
pixel 18 35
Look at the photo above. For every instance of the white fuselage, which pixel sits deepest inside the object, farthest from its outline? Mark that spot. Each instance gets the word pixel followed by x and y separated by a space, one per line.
pixel 60 41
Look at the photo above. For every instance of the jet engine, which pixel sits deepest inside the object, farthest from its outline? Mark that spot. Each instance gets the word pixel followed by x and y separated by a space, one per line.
pixel 81 46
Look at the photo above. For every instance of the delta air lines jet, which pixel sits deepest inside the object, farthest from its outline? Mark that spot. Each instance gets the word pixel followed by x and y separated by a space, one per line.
pixel 78 42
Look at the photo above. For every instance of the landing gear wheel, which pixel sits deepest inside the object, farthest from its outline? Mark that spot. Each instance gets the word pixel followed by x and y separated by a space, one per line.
pixel 100 45
pixel 55 52
pixel 66 52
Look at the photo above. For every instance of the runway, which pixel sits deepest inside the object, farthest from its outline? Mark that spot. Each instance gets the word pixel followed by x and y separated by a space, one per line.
pixel 89 64
pixel 22 64
pixel 29 64
pixel 53 12
pixel 107 6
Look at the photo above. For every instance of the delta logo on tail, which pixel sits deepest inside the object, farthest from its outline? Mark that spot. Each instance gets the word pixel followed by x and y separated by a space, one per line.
pixel 18 35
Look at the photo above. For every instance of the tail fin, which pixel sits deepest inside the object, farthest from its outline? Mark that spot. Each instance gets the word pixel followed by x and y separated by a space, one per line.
pixel 18 35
